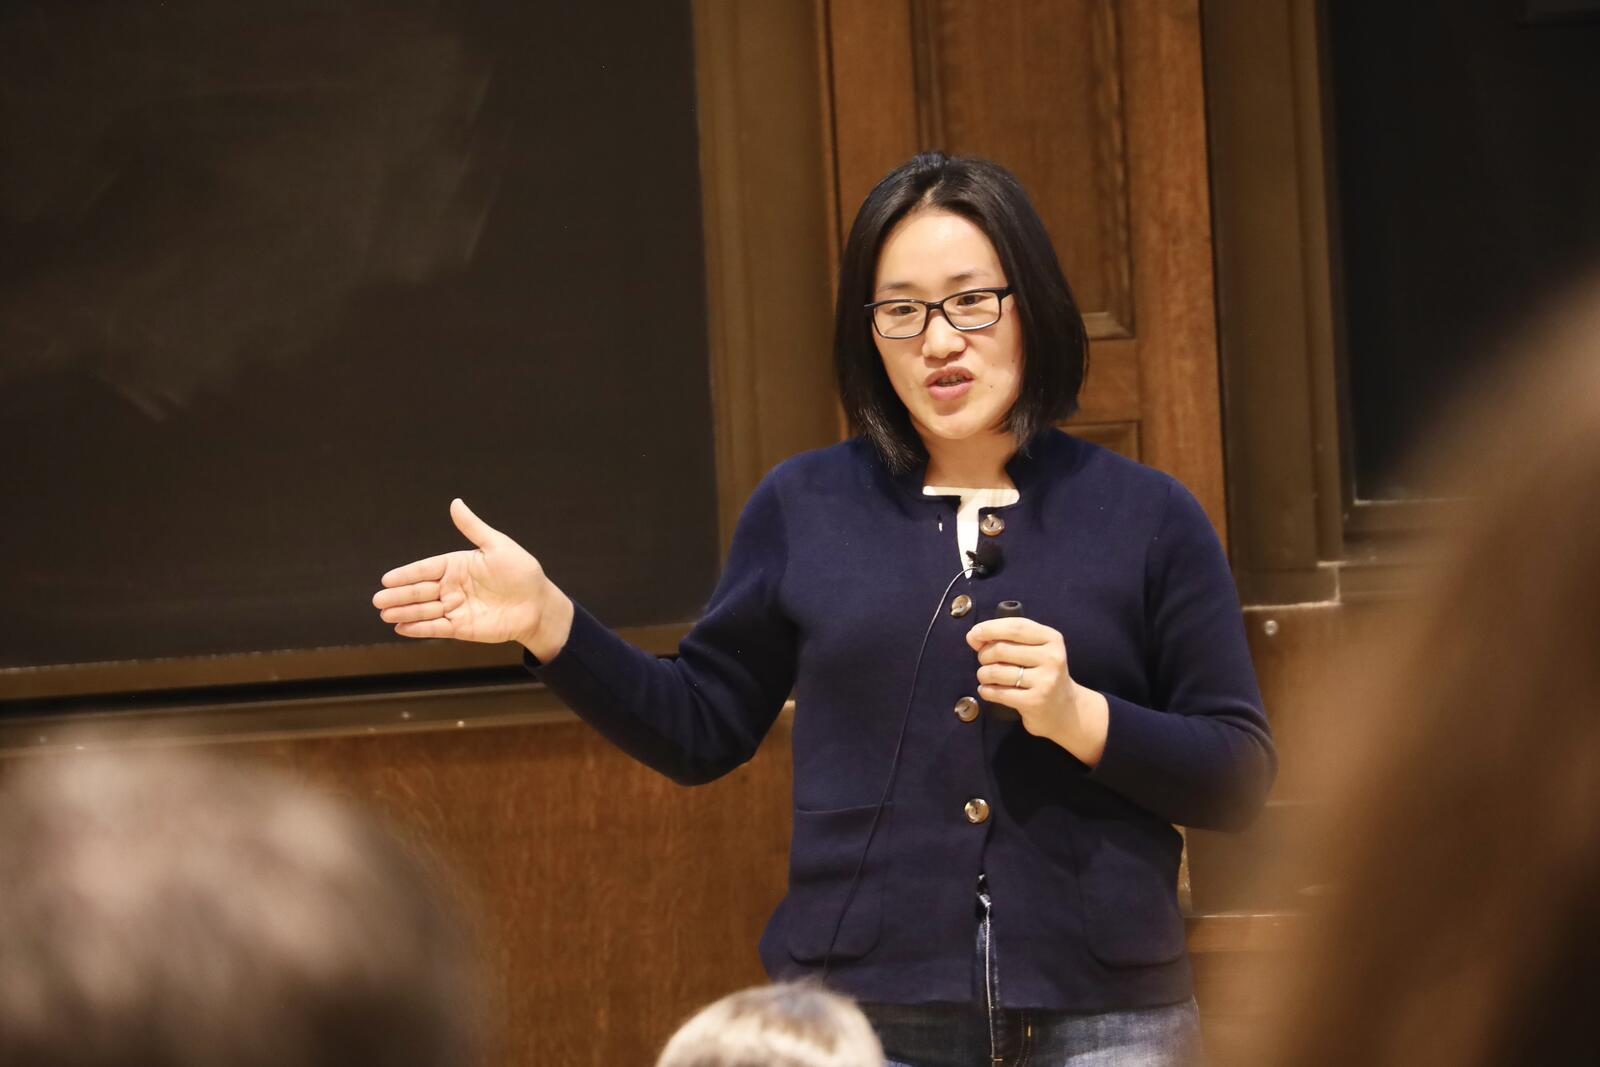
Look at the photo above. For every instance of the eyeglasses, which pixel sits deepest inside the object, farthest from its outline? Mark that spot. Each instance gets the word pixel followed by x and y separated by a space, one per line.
pixel 903 317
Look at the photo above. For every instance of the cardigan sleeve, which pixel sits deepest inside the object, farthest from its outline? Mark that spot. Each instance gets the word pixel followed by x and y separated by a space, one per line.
pixel 1203 754
pixel 696 717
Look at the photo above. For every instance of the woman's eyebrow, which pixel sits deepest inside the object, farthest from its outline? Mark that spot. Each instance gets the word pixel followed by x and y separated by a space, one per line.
pixel 956 279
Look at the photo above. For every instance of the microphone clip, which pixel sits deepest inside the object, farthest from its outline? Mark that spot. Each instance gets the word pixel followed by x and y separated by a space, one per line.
pixel 986 561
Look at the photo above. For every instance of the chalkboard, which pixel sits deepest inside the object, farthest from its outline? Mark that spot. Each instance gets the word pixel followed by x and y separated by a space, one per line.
pixel 278 279
pixel 1469 196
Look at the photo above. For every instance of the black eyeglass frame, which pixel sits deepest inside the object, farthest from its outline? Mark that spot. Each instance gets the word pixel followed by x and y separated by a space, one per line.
pixel 930 306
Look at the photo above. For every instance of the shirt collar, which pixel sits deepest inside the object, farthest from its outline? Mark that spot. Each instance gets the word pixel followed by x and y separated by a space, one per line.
pixel 1024 467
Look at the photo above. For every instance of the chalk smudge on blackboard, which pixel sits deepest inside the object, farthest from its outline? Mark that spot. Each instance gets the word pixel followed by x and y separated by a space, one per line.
pixel 208 185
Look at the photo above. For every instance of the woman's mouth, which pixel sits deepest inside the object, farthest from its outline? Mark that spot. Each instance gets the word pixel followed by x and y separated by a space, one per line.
pixel 948 384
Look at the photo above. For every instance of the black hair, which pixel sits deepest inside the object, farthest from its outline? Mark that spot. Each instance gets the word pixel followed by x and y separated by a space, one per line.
pixel 1055 346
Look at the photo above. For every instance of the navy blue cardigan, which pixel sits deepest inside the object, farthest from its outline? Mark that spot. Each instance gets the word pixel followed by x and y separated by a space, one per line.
pixel 833 574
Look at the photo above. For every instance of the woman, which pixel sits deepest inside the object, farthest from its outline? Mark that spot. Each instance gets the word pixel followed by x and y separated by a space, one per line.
pixel 991 885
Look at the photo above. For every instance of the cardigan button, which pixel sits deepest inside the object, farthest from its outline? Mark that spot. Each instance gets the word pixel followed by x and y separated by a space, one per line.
pixel 966 709
pixel 977 810
pixel 992 524
pixel 960 605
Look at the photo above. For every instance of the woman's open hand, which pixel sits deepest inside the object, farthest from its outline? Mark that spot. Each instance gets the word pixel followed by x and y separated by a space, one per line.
pixel 492 593
pixel 1023 665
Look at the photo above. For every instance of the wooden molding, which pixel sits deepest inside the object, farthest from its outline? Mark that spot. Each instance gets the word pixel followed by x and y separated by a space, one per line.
pixel 1180 417
pixel 176 721
pixel 1120 437
pixel 942 58
pixel 925 69
pixel 768 207
pixel 1300 536
pixel 1274 318
pixel 393 661
pixel 1111 171
pixel 1111 391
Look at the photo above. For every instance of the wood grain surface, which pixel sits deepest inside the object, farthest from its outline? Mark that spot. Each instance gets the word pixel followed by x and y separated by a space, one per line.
pixel 610 903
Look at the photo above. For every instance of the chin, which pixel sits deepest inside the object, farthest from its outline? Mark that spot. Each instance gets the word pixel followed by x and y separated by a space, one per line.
pixel 957 427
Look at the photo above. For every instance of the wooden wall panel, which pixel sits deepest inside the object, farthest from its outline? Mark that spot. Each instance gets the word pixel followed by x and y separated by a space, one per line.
pixel 611 902
pixel 1098 109
pixel 986 64
pixel 1111 391
pixel 1230 955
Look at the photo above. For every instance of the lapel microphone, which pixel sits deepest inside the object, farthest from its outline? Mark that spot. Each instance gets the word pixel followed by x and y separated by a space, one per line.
pixel 987 561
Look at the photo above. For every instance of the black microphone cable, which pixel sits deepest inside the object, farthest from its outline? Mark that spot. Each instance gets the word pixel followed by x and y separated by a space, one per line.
pixel 985 561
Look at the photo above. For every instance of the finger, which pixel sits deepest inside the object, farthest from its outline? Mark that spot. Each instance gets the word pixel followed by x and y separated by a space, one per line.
pixel 1020 631
pixel 431 609
pixel 423 570
pixel 406 594
pixel 472 528
pixel 1011 652
pixel 1005 675
pixel 414 612
pixel 1004 694
pixel 428 628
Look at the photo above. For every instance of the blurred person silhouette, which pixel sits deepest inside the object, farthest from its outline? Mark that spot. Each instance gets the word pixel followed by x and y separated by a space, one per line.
pixel 1462 925
pixel 171 910
pixel 790 1024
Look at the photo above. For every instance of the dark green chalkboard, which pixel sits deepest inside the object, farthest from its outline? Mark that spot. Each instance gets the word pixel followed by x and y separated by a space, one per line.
pixel 279 279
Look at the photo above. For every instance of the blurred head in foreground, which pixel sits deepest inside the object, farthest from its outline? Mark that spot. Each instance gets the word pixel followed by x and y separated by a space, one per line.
pixel 794 1024
pixel 172 911
pixel 1464 923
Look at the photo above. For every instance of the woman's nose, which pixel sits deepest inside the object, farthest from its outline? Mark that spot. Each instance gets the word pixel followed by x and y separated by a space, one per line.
pixel 940 340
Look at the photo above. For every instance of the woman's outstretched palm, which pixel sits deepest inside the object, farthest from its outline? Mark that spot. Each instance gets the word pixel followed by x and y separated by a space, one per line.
pixel 492 593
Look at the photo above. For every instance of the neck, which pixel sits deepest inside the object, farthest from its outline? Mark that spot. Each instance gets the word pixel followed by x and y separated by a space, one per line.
pixel 974 463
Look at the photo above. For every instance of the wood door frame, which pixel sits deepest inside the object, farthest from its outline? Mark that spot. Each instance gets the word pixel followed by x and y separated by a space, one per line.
pixel 1274 299
pixel 1301 535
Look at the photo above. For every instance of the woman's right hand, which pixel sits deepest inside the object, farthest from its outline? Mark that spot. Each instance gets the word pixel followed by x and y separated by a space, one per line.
pixel 492 593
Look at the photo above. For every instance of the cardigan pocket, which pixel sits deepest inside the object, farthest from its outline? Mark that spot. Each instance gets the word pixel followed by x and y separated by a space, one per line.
pixel 1128 877
pixel 824 851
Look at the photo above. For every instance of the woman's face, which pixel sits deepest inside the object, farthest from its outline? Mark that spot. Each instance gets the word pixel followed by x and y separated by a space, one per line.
pixel 956 384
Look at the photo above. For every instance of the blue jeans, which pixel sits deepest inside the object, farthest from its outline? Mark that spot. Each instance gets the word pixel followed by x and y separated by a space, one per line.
pixel 983 1034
